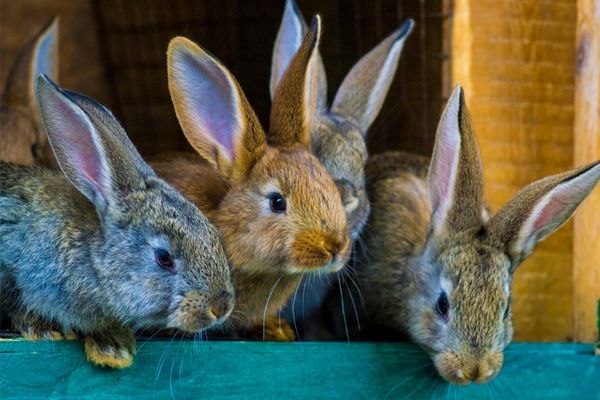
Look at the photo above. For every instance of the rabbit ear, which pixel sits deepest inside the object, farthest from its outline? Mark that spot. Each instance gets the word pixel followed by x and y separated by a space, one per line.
pixel 289 39
pixel 455 174
pixel 363 91
pixel 75 142
pixel 212 109
pixel 539 209
pixel 294 102
pixel 121 154
pixel 40 56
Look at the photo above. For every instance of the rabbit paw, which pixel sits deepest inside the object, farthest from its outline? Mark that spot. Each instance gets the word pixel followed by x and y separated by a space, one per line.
pixel 32 328
pixel 113 348
pixel 274 330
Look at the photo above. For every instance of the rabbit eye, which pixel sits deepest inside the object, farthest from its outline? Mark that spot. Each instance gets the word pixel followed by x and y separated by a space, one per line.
pixel 164 259
pixel 277 203
pixel 442 306
pixel 34 150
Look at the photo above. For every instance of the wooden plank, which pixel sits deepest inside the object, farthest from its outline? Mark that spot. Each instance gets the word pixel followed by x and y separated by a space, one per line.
pixel 516 61
pixel 254 370
pixel 586 246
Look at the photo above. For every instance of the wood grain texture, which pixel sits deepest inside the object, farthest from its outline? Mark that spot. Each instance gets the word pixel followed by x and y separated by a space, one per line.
pixel 254 370
pixel 586 234
pixel 516 61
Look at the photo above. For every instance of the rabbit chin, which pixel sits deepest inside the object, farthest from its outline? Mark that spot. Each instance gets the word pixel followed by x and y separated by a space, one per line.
pixel 332 266
pixel 464 369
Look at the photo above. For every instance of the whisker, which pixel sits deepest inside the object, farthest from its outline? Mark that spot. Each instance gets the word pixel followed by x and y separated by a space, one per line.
pixel 294 309
pixel 343 310
pixel 266 307
pixel 353 304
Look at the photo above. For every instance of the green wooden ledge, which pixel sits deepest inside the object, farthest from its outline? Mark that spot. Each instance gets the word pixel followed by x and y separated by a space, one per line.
pixel 311 370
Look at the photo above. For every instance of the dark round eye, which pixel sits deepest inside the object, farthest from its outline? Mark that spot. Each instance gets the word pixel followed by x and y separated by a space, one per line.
pixel 34 149
pixel 164 259
pixel 277 202
pixel 442 306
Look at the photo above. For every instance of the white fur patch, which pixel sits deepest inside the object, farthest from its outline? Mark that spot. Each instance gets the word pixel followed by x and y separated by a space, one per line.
pixel 446 285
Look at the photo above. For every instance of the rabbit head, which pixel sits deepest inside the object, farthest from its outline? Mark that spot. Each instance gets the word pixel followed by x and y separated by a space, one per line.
pixel 22 139
pixel 159 262
pixel 282 211
pixel 339 131
pixel 460 311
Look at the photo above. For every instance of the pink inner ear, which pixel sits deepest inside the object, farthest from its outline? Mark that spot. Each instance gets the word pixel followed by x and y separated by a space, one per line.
pixel 74 135
pixel 208 97
pixel 444 169
pixel 289 39
pixel 552 215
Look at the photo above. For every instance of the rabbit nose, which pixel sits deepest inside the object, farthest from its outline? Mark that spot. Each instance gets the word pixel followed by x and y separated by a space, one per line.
pixel 337 247
pixel 222 305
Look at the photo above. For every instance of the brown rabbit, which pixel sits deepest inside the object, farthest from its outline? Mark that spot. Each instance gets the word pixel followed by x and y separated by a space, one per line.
pixel 438 269
pixel 339 131
pixel 22 138
pixel 278 210
pixel 339 135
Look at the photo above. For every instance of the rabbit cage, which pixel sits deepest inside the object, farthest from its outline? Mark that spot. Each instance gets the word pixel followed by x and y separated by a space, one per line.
pixel 530 73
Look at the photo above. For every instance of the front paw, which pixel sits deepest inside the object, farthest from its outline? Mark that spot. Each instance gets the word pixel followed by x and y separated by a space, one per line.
pixel 113 349
pixel 32 328
pixel 274 330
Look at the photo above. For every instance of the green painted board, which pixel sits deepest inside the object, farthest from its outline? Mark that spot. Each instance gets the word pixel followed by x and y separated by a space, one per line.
pixel 310 370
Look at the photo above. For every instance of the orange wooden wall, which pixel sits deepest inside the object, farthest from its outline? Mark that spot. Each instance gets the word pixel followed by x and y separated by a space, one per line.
pixel 517 61
pixel 586 246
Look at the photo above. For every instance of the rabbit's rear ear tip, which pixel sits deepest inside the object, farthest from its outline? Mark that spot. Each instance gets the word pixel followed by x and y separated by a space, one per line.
pixel 315 24
pixel 55 21
pixel 406 28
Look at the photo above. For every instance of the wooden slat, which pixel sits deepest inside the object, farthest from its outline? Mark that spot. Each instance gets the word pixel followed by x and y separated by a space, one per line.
pixel 586 247
pixel 516 61
pixel 312 370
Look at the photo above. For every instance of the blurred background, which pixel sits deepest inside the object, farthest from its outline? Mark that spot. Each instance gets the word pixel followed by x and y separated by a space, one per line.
pixel 527 67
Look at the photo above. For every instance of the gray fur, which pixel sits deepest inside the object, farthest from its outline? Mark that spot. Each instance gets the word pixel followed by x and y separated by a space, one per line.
pixel 89 267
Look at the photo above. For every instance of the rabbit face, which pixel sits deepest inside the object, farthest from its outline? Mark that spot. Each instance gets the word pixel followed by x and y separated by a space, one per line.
pixel 275 218
pixel 341 148
pixel 177 274
pixel 465 331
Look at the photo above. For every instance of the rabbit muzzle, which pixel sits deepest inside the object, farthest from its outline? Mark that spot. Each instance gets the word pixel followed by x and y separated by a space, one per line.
pixel 462 369
pixel 319 251
pixel 197 311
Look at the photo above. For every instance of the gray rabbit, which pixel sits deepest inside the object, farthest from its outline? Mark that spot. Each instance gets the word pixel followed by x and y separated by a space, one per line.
pixel 108 249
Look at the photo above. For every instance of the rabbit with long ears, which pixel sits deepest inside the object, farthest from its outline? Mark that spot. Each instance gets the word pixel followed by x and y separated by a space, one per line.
pixel 107 247
pixel 339 131
pixel 278 210
pixel 438 268
pixel 22 138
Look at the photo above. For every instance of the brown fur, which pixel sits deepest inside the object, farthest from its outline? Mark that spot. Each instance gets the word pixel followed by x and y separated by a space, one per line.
pixel 22 138
pixel 269 252
pixel 417 248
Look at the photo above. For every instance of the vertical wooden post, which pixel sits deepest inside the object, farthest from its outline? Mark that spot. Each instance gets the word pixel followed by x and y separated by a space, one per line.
pixel 586 247
pixel 516 61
